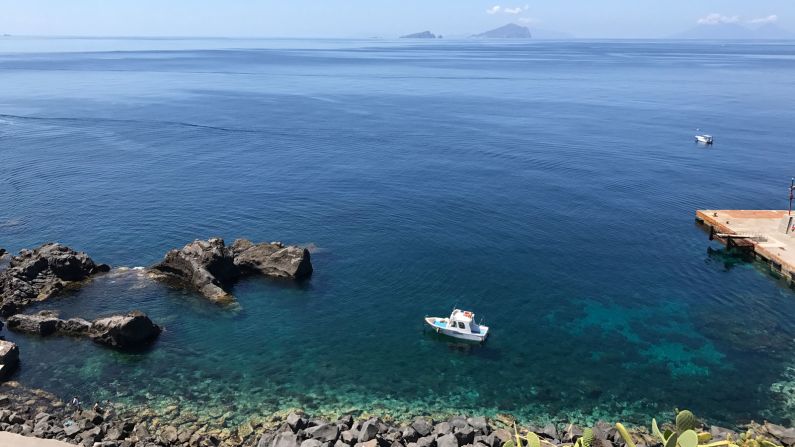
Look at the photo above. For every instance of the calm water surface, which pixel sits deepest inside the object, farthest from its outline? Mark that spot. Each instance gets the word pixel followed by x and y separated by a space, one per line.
pixel 548 186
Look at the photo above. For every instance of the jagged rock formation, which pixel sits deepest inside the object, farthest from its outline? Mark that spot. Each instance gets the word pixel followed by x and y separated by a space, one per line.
pixel 131 331
pixel 38 274
pixel 210 266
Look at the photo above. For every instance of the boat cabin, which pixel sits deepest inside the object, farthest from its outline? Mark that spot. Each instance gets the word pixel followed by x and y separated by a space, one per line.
pixel 463 321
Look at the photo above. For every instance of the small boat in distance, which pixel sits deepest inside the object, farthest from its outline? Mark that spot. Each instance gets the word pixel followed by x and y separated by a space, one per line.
pixel 706 139
pixel 461 324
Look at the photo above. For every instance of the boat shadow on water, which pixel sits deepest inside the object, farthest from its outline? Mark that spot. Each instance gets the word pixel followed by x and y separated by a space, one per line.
pixel 480 349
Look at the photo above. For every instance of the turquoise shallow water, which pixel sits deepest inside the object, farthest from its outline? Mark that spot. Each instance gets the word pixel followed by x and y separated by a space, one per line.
pixel 549 186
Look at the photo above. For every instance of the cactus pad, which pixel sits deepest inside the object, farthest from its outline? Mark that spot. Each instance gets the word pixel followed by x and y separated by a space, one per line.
pixel 587 438
pixel 685 421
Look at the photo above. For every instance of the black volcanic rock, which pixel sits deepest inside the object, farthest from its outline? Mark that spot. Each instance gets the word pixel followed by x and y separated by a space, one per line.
pixel 509 31
pixel 204 265
pixel 43 323
pixel 9 359
pixel 422 35
pixel 38 274
pixel 131 331
pixel 210 266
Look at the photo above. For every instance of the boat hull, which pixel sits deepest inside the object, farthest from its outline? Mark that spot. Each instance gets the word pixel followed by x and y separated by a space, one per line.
pixel 434 323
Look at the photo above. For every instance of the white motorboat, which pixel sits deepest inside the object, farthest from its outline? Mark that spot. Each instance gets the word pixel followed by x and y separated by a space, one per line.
pixel 706 139
pixel 460 324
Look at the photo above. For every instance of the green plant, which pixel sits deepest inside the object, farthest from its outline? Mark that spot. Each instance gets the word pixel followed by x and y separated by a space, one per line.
pixel 531 438
pixel 685 420
pixel 586 440
pixel 625 435
pixel 686 435
pixel 751 439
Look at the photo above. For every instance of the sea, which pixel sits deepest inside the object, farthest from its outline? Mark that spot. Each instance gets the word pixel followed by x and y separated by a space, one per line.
pixel 548 186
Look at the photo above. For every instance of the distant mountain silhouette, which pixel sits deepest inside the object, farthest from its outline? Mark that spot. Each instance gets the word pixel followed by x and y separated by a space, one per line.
pixel 422 35
pixel 728 31
pixel 509 31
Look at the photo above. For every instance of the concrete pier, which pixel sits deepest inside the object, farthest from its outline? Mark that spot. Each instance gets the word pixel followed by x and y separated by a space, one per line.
pixel 767 235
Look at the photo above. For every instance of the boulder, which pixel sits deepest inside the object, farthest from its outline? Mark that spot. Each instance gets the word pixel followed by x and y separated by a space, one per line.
pixel 38 274
pixel 571 433
pixel 487 441
pixel 785 435
pixel 447 441
pixel 502 435
pixel 368 431
pixel 348 436
pixel 427 441
pixel 465 435
pixel 346 421
pixel 169 434
pixel 458 422
pixel 264 441
pixel 43 323
pixel 480 424
pixel 9 359
pixel 442 428
pixel 285 439
pixel 324 432
pixel 130 331
pixel 409 434
pixel 422 426
pixel 311 443
pixel 71 429
pixel 210 267
pixel 296 421
pixel 274 259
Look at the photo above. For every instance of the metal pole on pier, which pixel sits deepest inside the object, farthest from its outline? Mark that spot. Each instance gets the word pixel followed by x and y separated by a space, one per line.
pixel 791 195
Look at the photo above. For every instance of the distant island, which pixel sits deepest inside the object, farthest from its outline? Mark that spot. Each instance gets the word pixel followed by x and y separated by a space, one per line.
pixel 509 31
pixel 422 35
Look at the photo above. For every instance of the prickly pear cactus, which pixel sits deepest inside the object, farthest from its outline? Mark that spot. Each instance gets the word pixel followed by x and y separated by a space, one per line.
pixel 685 421
pixel 533 440
pixel 587 438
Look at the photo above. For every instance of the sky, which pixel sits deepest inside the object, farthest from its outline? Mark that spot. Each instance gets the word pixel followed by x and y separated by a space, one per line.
pixel 380 18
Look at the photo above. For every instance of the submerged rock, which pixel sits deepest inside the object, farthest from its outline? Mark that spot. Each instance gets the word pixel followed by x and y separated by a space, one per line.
pixel 134 330
pixel 210 267
pixel 9 359
pixel 38 274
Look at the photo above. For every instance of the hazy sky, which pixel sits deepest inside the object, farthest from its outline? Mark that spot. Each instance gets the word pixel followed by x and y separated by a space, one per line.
pixel 386 18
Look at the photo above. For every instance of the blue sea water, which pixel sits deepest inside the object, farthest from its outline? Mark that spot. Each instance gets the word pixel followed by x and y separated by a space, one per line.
pixel 548 186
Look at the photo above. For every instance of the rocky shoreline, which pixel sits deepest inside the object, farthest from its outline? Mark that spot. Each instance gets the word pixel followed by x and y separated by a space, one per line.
pixel 37 413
